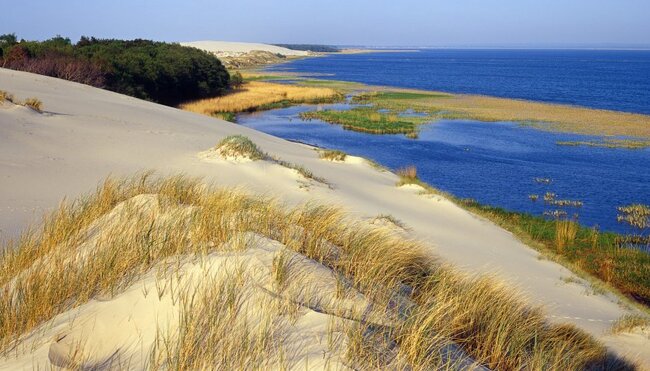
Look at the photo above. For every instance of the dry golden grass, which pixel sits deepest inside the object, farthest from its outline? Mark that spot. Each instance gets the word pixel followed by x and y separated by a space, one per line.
pixel 33 103
pixel 255 95
pixel 630 322
pixel 562 117
pixel 434 310
pixel 5 96
pixel 332 155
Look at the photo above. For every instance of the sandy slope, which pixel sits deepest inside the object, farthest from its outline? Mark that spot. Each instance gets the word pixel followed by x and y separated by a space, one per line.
pixel 87 133
pixel 227 48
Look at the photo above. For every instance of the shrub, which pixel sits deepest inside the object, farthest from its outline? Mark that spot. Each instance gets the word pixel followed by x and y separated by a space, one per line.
pixel 236 80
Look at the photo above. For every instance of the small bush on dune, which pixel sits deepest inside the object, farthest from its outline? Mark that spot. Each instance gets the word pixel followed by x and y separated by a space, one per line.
pixel 240 146
pixel 33 103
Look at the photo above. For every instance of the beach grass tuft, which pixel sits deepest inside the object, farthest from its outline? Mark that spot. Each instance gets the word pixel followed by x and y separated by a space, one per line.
pixel 33 103
pixel 630 322
pixel 240 146
pixel 408 175
pixel 5 96
pixel 332 155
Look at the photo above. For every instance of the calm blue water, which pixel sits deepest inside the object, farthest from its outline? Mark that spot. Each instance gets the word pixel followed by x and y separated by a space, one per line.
pixel 616 80
pixel 494 163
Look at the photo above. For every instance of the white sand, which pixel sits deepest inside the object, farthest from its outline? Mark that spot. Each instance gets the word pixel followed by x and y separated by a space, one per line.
pixel 87 133
pixel 233 49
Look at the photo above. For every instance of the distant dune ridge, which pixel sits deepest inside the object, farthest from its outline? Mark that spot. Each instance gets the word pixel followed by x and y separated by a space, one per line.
pixel 234 49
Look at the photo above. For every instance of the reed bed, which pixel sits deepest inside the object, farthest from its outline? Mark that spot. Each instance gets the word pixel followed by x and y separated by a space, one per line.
pixel 433 310
pixel 258 95
pixel 555 117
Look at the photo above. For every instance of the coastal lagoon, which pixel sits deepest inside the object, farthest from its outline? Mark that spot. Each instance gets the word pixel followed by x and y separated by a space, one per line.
pixel 494 163
pixel 607 79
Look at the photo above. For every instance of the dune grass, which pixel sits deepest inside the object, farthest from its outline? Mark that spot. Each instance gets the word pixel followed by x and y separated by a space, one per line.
pixel 332 155
pixel 630 322
pixel 433 307
pixel 33 103
pixel 240 146
pixel 600 256
pixel 5 96
pixel 306 173
pixel 257 95
pixel 369 120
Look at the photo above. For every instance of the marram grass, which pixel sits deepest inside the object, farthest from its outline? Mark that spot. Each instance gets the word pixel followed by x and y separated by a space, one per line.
pixel 42 276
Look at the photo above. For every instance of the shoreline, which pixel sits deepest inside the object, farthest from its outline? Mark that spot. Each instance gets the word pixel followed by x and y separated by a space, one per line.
pixel 549 116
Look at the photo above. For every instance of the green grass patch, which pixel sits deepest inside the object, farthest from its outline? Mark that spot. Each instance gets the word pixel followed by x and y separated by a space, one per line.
pixel 368 120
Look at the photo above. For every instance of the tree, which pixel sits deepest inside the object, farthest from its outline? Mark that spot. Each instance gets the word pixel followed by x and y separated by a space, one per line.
pixel 236 80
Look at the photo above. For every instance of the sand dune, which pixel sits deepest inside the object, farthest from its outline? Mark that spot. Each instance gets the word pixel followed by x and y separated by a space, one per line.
pixel 85 134
pixel 228 48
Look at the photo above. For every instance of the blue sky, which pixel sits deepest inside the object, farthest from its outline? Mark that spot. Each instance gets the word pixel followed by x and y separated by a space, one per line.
pixel 538 23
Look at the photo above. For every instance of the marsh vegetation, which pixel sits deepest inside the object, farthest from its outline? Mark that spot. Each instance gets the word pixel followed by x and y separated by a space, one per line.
pixel 368 120
pixel 258 96
pixel 587 251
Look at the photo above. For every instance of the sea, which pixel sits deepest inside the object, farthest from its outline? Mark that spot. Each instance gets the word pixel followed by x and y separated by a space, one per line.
pixel 499 164
pixel 606 79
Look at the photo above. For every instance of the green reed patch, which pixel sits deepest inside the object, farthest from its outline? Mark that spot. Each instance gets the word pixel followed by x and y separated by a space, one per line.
pixel 368 120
